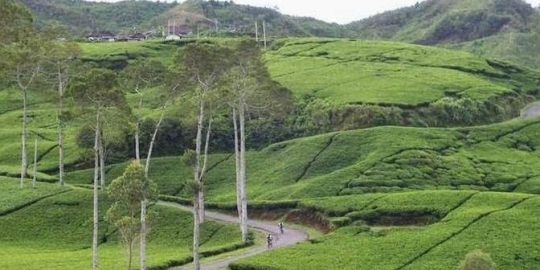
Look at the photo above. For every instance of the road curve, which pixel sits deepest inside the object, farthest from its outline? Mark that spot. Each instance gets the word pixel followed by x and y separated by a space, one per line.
pixel 289 237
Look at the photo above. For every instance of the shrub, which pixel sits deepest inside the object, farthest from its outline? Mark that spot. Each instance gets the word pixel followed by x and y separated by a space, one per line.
pixel 477 260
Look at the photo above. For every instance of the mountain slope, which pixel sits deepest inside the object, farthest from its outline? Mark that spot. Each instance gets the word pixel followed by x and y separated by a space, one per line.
pixel 81 17
pixel 450 22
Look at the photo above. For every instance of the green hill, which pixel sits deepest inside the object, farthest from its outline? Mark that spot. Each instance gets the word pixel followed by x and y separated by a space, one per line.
pixel 499 157
pixel 396 83
pixel 339 85
pixel 493 222
pixel 82 17
pixel 476 26
pixel 450 21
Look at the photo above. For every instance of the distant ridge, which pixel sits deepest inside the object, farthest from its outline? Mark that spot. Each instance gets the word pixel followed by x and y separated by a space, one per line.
pixel 505 29
pixel 82 17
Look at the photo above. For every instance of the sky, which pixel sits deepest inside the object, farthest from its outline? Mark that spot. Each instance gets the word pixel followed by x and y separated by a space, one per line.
pixel 338 11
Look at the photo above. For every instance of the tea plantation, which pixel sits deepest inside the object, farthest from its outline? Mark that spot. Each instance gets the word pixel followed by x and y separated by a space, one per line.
pixel 375 72
pixel 387 197
pixel 51 228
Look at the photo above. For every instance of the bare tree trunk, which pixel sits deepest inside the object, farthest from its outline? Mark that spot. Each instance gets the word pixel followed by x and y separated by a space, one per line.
pixel 96 184
pixel 242 211
pixel 35 163
pixel 151 146
pixel 130 254
pixel 203 170
pixel 24 161
pixel 60 129
pixel 196 231
pixel 197 178
pixel 242 166
pixel 237 169
pixel 61 151
pixel 142 235
pixel 101 161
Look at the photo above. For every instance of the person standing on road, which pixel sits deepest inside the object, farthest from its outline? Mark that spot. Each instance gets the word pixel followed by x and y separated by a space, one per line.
pixel 280 225
pixel 269 240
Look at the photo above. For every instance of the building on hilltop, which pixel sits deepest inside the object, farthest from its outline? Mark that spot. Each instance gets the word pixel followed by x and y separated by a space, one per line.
pixel 101 36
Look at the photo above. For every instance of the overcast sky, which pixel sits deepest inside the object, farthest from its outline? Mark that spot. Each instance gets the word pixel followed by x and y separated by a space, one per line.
pixel 340 11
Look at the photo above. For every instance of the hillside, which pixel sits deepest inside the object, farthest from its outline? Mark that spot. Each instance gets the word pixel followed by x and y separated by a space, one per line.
pixel 52 224
pixel 482 25
pixel 499 157
pixel 450 21
pixel 82 17
pixel 392 197
pixel 398 84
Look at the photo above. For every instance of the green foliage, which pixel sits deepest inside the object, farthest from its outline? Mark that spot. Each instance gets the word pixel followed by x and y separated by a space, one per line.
pixel 128 192
pixel 16 22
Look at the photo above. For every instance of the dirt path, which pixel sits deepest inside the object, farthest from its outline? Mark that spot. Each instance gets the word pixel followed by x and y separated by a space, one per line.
pixel 289 237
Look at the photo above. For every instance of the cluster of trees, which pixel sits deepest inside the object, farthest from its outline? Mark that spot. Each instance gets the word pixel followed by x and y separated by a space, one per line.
pixel 84 16
pixel 219 81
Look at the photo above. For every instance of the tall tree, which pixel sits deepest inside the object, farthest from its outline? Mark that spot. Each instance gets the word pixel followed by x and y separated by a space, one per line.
pixel 21 59
pixel 250 89
pixel 204 64
pixel 97 90
pixel 61 64
pixel 129 192
pixel 24 61
pixel 138 77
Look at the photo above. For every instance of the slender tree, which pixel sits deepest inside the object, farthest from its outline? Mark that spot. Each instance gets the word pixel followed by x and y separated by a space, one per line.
pixel 204 65
pixel 250 88
pixel 97 90
pixel 24 61
pixel 61 65
pixel 129 192
pixel 138 77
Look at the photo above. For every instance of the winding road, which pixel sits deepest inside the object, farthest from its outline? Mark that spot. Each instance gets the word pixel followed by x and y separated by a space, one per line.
pixel 289 237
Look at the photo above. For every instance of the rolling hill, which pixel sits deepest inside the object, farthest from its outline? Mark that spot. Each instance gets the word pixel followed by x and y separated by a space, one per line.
pixel 82 17
pixel 501 29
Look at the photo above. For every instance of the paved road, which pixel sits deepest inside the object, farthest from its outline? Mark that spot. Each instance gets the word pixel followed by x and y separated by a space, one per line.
pixel 289 237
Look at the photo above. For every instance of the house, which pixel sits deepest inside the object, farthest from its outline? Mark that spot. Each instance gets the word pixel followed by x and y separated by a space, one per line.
pixel 137 37
pixel 101 36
